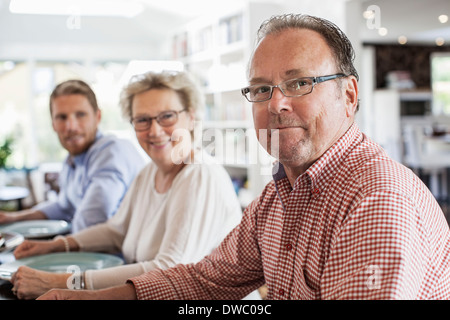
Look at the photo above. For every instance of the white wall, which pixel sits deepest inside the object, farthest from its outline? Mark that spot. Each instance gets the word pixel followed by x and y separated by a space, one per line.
pixel 50 37
pixel 78 52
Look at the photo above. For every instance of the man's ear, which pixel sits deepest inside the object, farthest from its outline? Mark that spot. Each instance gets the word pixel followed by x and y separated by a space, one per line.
pixel 99 116
pixel 351 95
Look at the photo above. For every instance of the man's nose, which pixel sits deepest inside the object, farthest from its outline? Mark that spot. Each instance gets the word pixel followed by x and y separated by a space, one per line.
pixel 71 123
pixel 279 102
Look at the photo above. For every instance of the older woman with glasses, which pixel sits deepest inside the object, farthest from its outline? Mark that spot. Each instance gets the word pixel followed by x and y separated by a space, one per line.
pixel 178 208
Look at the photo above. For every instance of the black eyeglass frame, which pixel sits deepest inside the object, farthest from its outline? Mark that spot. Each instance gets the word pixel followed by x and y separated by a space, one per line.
pixel 149 120
pixel 315 80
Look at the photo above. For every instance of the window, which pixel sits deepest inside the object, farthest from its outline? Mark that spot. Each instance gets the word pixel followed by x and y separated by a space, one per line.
pixel 440 78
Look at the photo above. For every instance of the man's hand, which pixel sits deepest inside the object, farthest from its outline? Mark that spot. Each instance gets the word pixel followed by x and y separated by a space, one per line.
pixel 65 294
pixel 123 292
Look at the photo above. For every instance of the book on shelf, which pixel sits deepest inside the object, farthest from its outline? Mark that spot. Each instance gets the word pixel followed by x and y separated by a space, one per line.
pixel 231 29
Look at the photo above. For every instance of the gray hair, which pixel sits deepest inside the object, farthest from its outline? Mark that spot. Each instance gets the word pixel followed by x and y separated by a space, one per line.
pixel 180 82
pixel 338 42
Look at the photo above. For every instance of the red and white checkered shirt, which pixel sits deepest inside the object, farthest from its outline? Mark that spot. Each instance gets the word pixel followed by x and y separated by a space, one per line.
pixel 356 225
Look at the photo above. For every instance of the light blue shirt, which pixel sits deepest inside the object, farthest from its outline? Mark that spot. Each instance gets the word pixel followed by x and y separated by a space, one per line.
pixel 93 183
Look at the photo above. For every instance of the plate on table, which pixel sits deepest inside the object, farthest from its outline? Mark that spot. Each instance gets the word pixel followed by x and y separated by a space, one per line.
pixel 35 229
pixel 62 263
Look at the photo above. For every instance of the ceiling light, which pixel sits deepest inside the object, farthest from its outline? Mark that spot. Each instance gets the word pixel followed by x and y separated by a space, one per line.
pixel 402 40
pixel 443 18
pixel 382 32
pixel 440 41
pixel 368 14
pixel 120 8
pixel 194 8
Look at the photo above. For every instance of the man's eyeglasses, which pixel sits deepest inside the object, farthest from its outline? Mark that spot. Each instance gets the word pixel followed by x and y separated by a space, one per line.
pixel 290 88
pixel 164 119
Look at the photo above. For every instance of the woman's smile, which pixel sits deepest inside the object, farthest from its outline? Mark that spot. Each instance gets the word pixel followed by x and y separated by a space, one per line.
pixel 159 144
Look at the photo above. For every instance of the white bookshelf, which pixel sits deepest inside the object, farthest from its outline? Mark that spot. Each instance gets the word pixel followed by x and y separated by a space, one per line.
pixel 216 50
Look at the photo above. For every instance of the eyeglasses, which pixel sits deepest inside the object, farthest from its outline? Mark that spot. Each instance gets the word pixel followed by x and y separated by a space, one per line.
pixel 164 119
pixel 290 88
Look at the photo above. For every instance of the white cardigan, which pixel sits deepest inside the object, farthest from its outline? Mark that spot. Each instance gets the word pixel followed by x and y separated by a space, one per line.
pixel 154 230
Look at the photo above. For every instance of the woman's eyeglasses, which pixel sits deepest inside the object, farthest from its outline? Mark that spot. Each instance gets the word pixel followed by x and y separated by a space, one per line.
pixel 164 119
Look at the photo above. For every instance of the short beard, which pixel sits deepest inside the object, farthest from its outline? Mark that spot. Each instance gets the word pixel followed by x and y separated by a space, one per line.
pixel 294 156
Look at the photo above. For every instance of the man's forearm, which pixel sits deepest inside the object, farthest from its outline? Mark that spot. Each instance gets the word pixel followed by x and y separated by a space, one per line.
pixel 29 214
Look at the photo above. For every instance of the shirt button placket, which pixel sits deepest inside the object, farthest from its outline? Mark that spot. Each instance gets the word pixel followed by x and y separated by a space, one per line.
pixel 288 247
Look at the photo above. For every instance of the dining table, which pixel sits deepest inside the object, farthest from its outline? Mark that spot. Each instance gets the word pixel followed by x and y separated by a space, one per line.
pixel 16 233
pixel 58 262
pixel 5 285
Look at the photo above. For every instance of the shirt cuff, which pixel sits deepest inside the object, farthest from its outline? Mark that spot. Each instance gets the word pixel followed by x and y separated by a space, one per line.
pixel 152 285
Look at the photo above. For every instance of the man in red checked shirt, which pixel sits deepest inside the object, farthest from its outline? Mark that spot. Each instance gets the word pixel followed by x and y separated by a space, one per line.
pixel 340 220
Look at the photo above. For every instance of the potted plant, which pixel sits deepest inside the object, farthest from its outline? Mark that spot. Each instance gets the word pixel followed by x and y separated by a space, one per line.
pixel 5 151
